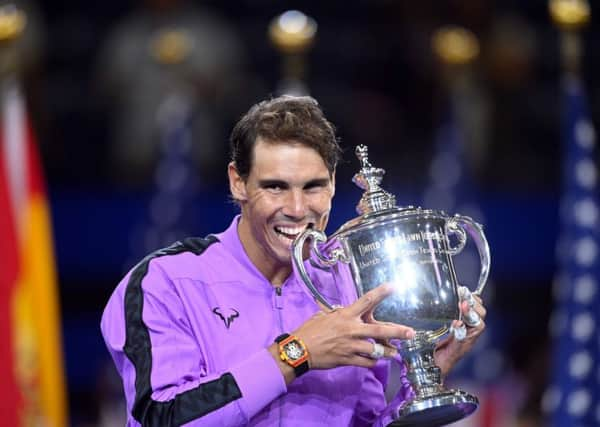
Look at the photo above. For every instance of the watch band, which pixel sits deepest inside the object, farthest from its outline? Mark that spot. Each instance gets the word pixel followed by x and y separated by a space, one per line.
pixel 300 365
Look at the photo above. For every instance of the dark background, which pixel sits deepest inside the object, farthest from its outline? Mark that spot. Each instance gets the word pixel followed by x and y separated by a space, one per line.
pixel 372 70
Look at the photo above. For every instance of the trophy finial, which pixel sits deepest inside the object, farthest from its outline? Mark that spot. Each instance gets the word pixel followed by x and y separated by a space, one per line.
pixel 374 199
pixel 362 153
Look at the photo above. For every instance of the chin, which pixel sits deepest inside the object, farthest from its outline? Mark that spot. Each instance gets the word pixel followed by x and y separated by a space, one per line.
pixel 285 255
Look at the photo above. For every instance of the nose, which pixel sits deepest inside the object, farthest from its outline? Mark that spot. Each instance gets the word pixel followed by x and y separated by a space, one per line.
pixel 295 205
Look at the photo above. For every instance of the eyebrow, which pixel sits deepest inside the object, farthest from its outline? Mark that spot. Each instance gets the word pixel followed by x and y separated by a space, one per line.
pixel 272 182
pixel 319 182
pixel 263 183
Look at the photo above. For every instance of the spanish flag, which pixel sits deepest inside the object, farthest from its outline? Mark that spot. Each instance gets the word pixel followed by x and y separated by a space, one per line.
pixel 32 382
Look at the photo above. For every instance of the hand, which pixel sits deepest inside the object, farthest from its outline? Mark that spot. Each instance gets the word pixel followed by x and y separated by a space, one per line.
pixel 449 351
pixel 339 337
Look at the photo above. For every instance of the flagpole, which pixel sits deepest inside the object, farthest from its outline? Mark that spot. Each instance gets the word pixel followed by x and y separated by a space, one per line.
pixel 175 180
pixel 457 50
pixel 12 396
pixel 570 16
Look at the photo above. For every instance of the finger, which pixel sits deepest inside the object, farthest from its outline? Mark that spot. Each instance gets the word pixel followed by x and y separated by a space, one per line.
pixel 384 331
pixel 378 351
pixel 473 302
pixel 445 341
pixel 375 350
pixel 459 331
pixel 477 330
pixel 472 315
pixel 389 352
pixel 480 308
pixel 368 317
pixel 326 309
pixel 471 318
pixel 360 360
pixel 456 324
pixel 322 306
pixel 370 300
pixel 385 342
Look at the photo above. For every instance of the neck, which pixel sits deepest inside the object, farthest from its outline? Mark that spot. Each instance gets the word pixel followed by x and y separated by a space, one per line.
pixel 278 278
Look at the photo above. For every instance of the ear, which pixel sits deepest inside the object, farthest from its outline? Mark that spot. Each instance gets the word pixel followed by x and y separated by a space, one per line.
pixel 237 185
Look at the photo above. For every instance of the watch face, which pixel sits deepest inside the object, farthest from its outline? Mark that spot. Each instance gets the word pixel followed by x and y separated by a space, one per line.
pixel 294 350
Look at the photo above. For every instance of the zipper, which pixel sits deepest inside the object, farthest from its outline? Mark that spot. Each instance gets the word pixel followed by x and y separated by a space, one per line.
pixel 277 302
pixel 279 308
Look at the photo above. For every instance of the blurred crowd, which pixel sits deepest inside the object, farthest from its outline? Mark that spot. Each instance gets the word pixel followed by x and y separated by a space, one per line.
pixel 371 67
pixel 110 84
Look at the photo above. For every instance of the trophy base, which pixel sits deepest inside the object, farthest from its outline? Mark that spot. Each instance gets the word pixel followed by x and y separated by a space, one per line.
pixel 435 411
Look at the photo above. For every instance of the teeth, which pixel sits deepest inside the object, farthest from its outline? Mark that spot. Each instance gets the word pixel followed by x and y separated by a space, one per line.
pixel 289 230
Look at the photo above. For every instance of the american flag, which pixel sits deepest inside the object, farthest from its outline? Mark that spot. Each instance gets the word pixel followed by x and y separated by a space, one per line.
pixel 573 398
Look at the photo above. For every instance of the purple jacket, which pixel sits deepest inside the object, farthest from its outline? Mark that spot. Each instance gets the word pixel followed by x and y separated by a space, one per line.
pixel 188 329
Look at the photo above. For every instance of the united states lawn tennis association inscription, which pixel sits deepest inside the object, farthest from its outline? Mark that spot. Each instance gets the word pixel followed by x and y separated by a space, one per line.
pixel 422 245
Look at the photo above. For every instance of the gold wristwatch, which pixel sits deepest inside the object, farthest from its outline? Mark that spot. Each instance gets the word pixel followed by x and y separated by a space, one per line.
pixel 293 352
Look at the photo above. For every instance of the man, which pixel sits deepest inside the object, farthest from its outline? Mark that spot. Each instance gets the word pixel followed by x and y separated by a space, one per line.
pixel 219 331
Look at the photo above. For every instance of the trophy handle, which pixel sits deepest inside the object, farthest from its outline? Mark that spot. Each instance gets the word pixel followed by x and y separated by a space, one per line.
pixel 317 237
pixel 461 226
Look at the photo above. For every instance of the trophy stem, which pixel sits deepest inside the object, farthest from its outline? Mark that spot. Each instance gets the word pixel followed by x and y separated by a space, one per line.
pixel 432 404
pixel 424 375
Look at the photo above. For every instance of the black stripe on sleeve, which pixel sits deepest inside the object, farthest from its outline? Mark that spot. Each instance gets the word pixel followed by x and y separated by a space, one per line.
pixel 186 406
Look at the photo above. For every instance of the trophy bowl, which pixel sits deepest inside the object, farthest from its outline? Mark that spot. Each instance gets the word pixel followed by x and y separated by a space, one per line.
pixel 411 249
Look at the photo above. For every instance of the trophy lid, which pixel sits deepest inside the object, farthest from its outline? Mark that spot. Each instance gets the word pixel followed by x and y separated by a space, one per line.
pixel 374 199
pixel 377 206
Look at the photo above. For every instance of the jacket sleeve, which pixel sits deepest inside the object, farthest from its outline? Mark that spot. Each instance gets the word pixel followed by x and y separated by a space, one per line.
pixel 162 366
pixel 399 386
pixel 371 400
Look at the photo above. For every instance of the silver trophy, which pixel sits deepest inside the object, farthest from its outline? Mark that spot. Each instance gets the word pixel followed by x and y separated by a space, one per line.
pixel 411 248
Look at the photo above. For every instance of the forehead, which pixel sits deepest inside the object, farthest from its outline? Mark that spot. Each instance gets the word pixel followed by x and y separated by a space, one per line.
pixel 287 158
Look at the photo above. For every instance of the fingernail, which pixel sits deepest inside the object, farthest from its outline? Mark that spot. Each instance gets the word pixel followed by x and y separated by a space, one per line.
pixel 386 287
pixel 410 334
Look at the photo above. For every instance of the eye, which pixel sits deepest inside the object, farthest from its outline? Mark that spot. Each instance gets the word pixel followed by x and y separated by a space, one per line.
pixel 274 186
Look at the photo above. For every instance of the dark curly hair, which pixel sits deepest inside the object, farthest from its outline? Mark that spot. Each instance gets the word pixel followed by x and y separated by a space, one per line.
pixel 284 119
